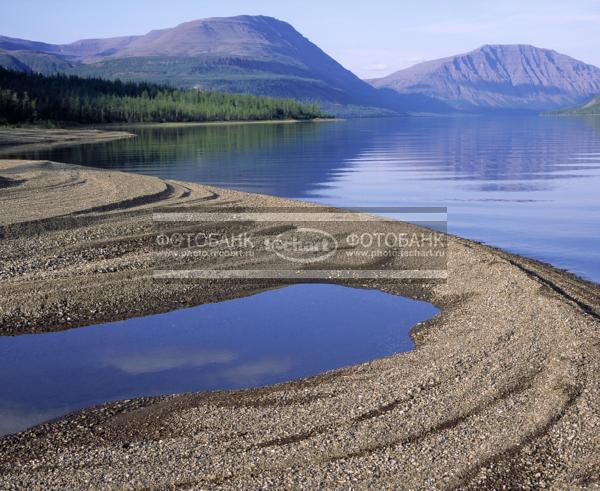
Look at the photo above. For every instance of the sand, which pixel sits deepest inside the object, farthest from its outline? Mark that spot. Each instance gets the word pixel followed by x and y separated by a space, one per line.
pixel 32 139
pixel 502 390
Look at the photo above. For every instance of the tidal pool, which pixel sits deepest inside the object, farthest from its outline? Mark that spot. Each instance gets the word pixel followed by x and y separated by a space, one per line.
pixel 270 337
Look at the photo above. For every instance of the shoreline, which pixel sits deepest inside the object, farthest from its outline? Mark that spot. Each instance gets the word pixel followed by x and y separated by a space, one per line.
pixel 501 389
pixel 192 124
pixel 31 139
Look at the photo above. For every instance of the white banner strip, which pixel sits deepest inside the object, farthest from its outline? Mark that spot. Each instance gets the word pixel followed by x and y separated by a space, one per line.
pixel 297 217
pixel 299 274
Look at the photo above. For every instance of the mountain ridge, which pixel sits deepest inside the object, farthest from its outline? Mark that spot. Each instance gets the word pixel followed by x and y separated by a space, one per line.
pixel 265 56
pixel 245 54
pixel 518 76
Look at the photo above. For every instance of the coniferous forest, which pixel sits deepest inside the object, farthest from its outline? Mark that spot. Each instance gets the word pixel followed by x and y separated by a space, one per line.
pixel 33 98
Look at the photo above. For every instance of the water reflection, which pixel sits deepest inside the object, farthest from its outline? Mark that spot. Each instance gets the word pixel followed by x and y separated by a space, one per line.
pixel 525 183
pixel 253 373
pixel 168 359
pixel 242 156
pixel 271 337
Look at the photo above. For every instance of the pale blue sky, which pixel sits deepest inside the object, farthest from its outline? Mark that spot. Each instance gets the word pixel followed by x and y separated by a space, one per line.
pixel 371 38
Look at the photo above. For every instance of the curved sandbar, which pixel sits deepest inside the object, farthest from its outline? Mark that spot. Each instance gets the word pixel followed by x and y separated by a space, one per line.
pixel 31 139
pixel 502 390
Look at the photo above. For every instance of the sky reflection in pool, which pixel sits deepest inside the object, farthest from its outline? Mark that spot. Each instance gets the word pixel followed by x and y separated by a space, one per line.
pixel 270 337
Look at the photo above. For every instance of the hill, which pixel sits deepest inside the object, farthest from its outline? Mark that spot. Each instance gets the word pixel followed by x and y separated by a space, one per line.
pixel 590 108
pixel 244 54
pixel 500 77
pixel 32 61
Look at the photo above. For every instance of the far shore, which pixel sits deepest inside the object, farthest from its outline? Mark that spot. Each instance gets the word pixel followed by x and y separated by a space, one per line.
pixel 501 391
pixel 216 123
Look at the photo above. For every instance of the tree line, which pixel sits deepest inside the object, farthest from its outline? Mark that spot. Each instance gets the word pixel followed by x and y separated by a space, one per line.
pixel 33 98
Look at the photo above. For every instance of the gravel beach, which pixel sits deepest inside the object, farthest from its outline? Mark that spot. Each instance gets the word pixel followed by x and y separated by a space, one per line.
pixel 502 391
pixel 31 139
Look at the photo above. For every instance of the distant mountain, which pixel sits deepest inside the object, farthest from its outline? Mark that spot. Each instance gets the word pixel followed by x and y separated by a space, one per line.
pixel 33 61
pixel 507 77
pixel 265 56
pixel 246 54
pixel 13 44
pixel 590 108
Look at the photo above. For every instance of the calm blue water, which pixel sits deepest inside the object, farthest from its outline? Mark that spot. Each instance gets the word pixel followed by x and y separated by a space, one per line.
pixel 270 337
pixel 527 184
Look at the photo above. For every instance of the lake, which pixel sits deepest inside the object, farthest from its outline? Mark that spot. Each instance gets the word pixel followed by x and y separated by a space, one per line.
pixel 274 336
pixel 527 184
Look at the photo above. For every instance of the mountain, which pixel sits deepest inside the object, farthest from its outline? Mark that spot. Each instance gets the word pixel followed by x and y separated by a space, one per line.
pixel 246 54
pixel 12 44
pixel 500 77
pixel 33 61
pixel 590 108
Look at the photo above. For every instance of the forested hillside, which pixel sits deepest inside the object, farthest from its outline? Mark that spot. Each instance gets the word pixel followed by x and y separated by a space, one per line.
pixel 591 108
pixel 31 98
pixel 244 54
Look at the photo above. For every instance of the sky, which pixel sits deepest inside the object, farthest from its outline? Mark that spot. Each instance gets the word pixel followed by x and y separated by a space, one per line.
pixel 372 38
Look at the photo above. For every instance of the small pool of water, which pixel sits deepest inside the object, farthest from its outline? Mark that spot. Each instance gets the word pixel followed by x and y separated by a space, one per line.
pixel 266 338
